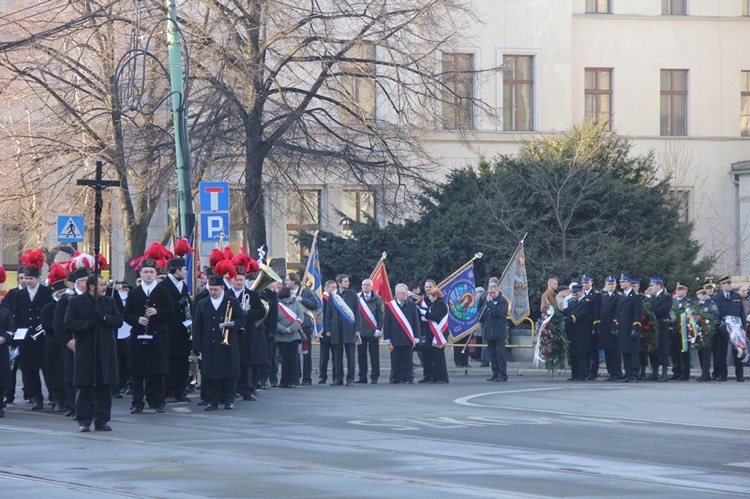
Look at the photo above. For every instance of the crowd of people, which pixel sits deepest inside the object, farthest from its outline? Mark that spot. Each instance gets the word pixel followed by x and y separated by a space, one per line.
pixel 245 330
pixel 611 321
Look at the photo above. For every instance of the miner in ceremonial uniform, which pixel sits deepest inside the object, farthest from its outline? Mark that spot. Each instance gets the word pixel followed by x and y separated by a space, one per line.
pixel 28 315
pixel 578 322
pixel 371 311
pixel 400 325
pixel 6 328
pixel 661 305
pixel 217 320
pixel 608 330
pixel 93 320
pixel 254 311
pixel 343 321
pixel 629 312
pixel 178 327
pixel 680 359
pixel 729 304
pixel 54 361
pixel 149 310
pixel 708 309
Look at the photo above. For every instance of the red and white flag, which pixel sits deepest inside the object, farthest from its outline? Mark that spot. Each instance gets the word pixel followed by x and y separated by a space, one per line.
pixel 380 284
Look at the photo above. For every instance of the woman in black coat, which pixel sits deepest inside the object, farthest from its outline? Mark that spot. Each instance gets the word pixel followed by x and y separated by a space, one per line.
pixel 437 322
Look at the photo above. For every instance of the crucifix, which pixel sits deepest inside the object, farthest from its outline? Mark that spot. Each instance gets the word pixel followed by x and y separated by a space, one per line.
pixel 98 185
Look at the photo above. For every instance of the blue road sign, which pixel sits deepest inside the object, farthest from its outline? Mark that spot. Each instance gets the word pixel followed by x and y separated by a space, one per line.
pixel 214 196
pixel 69 229
pixel 213 224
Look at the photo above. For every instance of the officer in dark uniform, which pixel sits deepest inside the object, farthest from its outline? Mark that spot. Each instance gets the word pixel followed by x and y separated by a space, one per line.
pixel 578 324
pixel 661 305
pixel 629 312
pixel 607 337
pixel 680 359
pixel 729 304
pixel 709 310
pixel 596 298
pixel 179 335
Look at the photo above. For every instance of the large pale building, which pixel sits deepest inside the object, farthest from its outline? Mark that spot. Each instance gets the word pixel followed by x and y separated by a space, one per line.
pixel 672 75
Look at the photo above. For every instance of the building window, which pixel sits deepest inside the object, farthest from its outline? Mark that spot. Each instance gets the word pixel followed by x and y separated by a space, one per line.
pixel 597 6
pixel 673 113
pixel 681 197
pixel 745 103
pixel 458 91
pixel 358 83
pixel 674 7
pixel 357 205
pixel 303 213
pixel 598 96
pixel 518 92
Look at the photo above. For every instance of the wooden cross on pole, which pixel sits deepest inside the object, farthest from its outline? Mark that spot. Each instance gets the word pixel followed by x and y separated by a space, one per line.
pixel 98 185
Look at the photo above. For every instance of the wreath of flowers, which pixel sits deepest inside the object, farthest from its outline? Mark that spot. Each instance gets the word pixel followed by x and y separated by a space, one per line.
pixel 696 328
pixel 649 329
pixel 553 343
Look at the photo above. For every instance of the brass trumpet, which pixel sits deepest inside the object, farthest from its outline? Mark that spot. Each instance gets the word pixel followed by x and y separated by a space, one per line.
pixel 225 331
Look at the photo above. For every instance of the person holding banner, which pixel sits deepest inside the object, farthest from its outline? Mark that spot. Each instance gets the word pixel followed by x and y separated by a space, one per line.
pixel 343 321
pixel 371 311
pixel 288 336
pixel 494 321
pixel 437 322
pixel 400 325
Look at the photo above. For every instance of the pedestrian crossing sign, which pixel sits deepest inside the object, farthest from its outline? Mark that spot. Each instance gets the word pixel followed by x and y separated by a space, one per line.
pixel 69 229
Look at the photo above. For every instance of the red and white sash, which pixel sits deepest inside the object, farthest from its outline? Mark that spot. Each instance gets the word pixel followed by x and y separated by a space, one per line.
pixel 367 314
pixel 289 313
pixel 401 318
pixel 438 331
pixel 325 295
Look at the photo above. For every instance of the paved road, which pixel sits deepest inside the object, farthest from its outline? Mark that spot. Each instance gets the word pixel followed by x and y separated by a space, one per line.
pixel 530 437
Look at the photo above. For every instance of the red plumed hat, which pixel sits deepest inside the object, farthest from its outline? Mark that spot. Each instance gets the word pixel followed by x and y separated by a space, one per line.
pixel 243 260
pixel 103 265
pixel 228 254
pixel 182 247
pixel 155 251
pixel 56 273
pixel 226 269
pixel 33 261
pixel 3 275
pixel 81 261
pixel 216 257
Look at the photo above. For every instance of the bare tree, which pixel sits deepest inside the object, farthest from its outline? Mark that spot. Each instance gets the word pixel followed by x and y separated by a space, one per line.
pixel 331 90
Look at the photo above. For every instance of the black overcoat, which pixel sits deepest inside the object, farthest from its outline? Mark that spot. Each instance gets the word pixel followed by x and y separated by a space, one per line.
pixel 662 307
pixel 392 329
pixel 579 316
pixel 96 340
pixel 342 331
pixel 219 361
pixel 149 357
pixel 28 314
pixel 179 336
pixel 629 315
pixel 55 373
pixel 608 303
pixel 6 325
pixel 495 318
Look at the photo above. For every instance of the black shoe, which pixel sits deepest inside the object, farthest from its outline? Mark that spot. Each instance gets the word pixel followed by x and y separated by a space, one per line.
pixel 361 381
pixel 211 407
pixel 337 383
pixel 410 382
pixel 183 398
pixel 202 402
pixel 307 382
pixel 703 379
pixel 722 378
pixel 740 379
pixel 70 413
pixel 38 405
pixel 394 382
pixel 570 379
pixel 2 413
pixel 504 377
pixel 441 382
pixel 9 400
pixel 423 380
pixel 160 409
pixel 348 383
pixel 171 400
pixel 625 379
pixel 84 428
pixel 322 381
pixel 685 378
pixel 117 395
pixel 374 382
pixel 493 378
pixel 265 385
pixel 136 410
pixel 229 406
pixel 484 364
pixel 102 427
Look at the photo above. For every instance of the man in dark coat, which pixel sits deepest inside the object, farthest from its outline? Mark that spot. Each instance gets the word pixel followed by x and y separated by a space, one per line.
pixel 28 314
pixel 54 356
pixel 729 304
pixel 708 309
pixel 629 312
pixel 494 322
pixel 253 308
pixel 343 321
pixel 661 305
pixel 371 311
pixel 221 354
pixel 179 335
pixel 148 310
pixel 269 372
pixel 578 323
pixel 6 326
pixel 400 325
pixel 423 304
pixel 680 359
pixel 326 351
pixel 607 337
pixel 94 319
pixel 596 298
pixel 8 303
